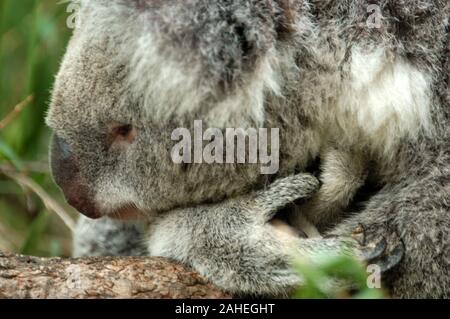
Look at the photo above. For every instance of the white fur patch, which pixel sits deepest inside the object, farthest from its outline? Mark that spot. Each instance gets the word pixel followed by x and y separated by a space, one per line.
pixel 168 238
pixel 388 97
pixel 165 86
pixel 248 101
pixel 168 87
pixel 111 195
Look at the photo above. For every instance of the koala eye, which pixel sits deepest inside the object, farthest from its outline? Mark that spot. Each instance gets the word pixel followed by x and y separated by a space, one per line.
pixel 121 134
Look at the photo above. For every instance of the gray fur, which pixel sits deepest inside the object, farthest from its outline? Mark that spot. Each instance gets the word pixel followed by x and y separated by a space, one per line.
pixel 306 67
pixel 109 237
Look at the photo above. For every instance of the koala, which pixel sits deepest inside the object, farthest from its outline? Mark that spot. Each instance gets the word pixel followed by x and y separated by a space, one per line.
pixel 243 225
pixel 343 174
pixel 135 70
pixel 196 231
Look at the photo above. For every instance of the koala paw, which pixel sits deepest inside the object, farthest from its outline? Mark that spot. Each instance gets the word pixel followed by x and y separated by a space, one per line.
pixel 379 251
pixel 286 191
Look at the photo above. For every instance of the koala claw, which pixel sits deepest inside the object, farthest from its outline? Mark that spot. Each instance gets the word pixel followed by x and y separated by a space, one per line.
pixel 392 259
pixel 378 253
pixel 373 251
pixel 358 234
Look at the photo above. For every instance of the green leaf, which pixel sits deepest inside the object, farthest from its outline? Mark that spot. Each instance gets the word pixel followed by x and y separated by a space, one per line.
pixel 314 282
pixel 325 269
pixel 346 267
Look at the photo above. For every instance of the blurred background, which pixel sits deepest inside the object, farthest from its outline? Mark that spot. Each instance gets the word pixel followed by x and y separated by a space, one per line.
pixel 33 217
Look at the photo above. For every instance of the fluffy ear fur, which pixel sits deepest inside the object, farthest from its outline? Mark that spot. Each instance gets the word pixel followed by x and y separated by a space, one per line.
pixel 221 57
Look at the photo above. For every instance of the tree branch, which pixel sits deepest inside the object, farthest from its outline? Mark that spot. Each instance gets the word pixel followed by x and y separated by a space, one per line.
pixel 15 112
pixel 100 277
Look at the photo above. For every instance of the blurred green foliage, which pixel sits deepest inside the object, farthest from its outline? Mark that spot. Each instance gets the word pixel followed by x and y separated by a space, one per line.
pixel 319 277
pixel 33 36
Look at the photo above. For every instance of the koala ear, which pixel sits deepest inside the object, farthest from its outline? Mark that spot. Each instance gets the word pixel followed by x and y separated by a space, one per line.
pixel 216 60
pixel 212 58
pixel 247 66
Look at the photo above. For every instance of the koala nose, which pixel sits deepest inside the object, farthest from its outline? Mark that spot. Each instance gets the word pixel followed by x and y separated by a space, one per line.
pixel 67 176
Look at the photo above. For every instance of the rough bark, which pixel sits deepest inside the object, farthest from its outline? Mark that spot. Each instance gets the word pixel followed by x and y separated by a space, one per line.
pixel 100 277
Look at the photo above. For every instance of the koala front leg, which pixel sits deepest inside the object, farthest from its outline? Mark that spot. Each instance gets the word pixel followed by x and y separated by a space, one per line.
pixel 108 237
pixel 343 173
pixel 233 245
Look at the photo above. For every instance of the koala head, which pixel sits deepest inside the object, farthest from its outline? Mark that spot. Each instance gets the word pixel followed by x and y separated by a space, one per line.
pixel 134 71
